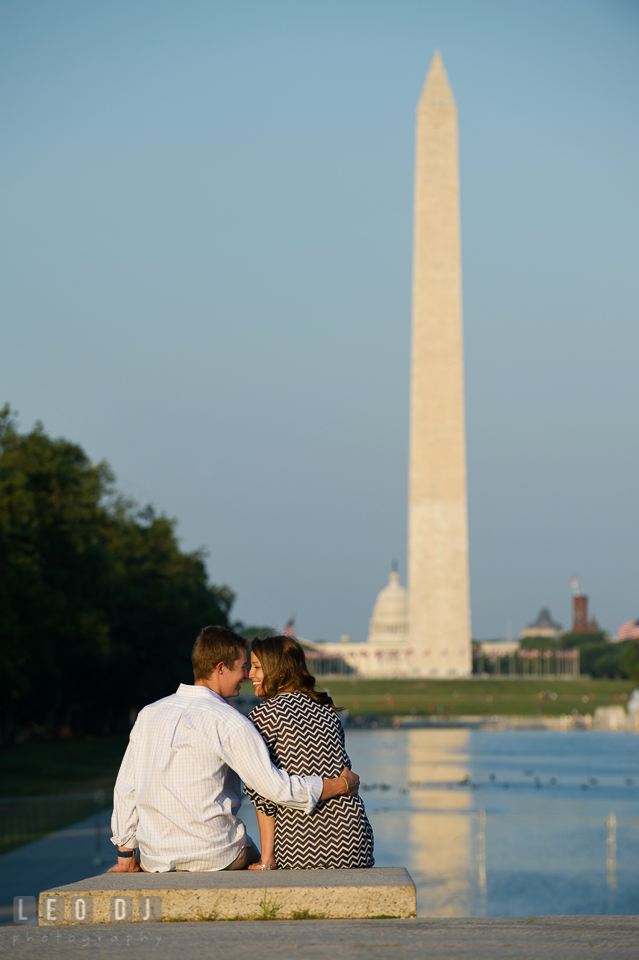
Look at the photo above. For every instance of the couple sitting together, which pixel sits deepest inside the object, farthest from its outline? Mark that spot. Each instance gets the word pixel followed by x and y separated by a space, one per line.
pixel 178 790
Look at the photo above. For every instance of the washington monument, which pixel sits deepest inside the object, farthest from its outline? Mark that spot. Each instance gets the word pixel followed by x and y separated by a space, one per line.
pixel 438 587
pixel 425 630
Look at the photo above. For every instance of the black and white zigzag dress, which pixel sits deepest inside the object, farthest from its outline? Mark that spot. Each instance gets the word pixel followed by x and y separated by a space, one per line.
pixel 307 739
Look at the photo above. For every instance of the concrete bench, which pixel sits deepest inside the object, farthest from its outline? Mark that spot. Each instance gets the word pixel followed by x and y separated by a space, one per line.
pixel 237 895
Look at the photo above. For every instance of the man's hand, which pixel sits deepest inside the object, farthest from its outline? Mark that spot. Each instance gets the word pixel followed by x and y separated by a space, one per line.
pixel 125 864
pixel 337 787
pixel 352 779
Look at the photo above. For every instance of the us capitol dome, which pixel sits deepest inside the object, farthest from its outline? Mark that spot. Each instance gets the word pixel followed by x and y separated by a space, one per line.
pixel 387 651
pixel 389 623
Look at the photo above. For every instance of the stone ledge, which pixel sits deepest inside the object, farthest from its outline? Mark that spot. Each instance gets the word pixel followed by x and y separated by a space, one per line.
pixel 242 895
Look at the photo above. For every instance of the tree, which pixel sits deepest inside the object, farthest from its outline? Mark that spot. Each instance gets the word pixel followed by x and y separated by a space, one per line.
pixel 252 633
pixel 598 656
pixel 630 659
pixel 99 607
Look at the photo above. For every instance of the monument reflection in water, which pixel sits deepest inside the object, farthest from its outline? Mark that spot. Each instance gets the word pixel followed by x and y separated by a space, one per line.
pixel 417 813
pixel 505 823
pixel 441 830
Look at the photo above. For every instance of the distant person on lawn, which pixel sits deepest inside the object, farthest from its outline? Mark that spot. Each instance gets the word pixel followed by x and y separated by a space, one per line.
pixel 178 789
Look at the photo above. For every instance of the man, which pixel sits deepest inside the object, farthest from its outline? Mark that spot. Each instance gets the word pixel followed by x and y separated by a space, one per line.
pixel 178 788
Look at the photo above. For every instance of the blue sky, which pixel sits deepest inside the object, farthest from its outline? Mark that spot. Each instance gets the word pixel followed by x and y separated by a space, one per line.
pixel 206 242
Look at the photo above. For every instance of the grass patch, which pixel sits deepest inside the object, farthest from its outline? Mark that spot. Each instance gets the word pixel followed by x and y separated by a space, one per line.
pixel 464 697
pixel 206 917
pixel 384 916
pixel 268 908
pixel 306 915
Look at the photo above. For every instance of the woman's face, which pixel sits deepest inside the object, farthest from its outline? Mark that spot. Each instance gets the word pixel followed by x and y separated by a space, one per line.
pixel 256 674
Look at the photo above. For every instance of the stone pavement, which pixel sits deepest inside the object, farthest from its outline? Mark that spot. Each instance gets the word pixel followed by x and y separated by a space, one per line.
pixel 537 938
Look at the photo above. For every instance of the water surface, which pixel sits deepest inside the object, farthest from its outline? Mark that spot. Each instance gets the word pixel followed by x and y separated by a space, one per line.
pixel 547 797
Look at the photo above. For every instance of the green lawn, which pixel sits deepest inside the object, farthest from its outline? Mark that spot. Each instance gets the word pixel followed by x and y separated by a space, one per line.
pixel 456 698
pixel 82 767
pixel 34 769
pixel 69 770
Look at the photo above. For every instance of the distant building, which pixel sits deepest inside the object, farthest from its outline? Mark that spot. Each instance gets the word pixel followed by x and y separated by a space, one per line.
pixel 499 648
pixel 543 626
pixel 580 622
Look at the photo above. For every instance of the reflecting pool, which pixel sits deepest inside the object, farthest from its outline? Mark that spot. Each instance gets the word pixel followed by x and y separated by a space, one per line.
pixel 505 823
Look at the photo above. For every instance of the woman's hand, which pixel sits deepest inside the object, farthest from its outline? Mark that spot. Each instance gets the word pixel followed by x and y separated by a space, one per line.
pixel 264 862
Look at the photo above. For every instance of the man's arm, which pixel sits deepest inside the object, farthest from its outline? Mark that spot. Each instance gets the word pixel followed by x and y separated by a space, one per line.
pixel 124 821
pixel 246 753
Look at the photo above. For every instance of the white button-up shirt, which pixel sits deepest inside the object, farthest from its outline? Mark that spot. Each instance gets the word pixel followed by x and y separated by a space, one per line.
pixel 178 789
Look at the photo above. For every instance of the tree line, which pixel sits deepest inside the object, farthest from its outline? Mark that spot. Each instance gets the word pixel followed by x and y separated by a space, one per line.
pixel 598 656
pixel 99 607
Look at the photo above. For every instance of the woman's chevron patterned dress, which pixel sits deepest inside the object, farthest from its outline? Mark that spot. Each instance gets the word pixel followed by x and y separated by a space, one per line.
pixel 307 739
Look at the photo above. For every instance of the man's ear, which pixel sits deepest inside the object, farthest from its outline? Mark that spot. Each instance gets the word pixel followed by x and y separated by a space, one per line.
pixel 219 669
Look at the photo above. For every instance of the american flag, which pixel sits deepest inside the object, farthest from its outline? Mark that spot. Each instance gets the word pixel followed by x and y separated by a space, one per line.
pixel 289 628
pixel 629 630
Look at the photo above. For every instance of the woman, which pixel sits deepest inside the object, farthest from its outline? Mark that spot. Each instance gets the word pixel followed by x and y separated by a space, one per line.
pixel 305 737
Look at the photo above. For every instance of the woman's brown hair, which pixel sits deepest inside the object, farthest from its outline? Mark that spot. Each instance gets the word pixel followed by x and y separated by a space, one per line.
pixel 284 667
